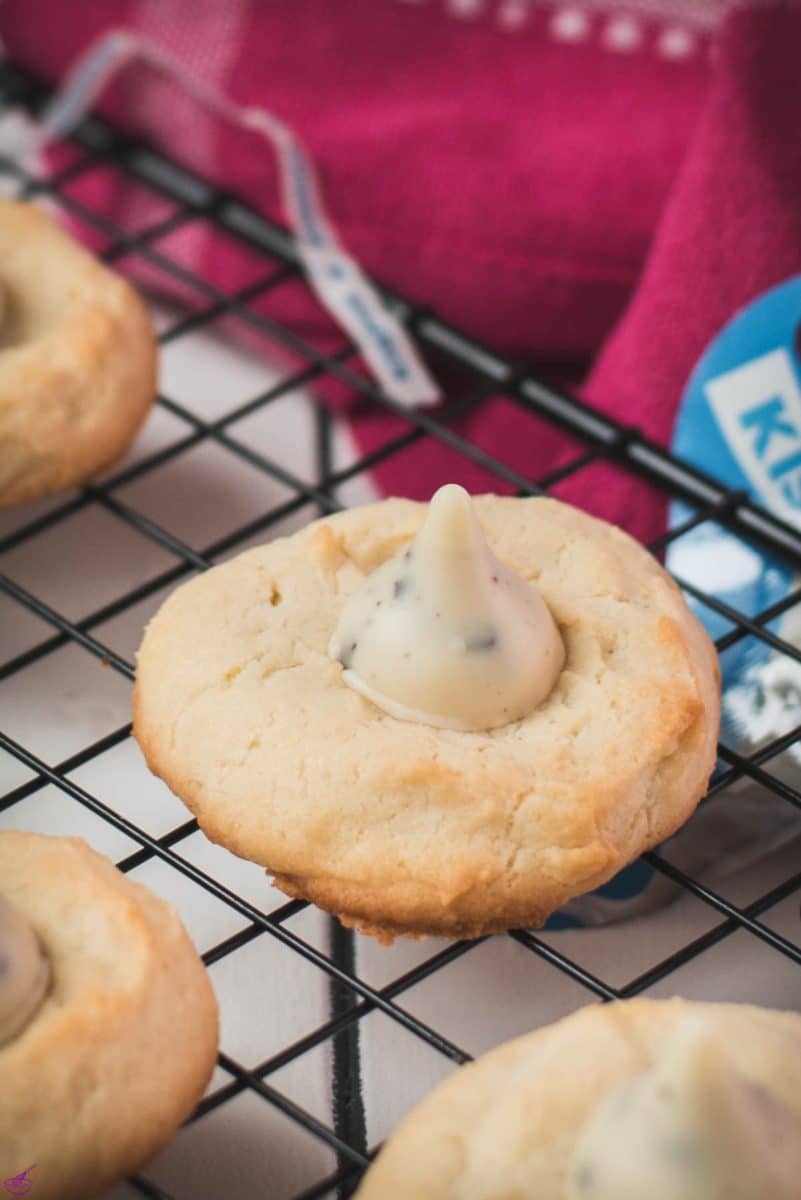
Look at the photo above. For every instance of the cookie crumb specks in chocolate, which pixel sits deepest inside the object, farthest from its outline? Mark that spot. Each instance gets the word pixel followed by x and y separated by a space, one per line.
pixel 690 1128
pixel 487 640
pixel 584 1179
pixel 682 1150
pixel 346 655
pixel 441 643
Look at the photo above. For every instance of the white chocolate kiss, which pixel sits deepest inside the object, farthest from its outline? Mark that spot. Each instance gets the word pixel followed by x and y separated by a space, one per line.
pixel 24 972
pixel 445 634
pixel 691 1128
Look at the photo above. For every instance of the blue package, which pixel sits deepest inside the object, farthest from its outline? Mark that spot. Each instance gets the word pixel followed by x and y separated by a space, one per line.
pixel 739 421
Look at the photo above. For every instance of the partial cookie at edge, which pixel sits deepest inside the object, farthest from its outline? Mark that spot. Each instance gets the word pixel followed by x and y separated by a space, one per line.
pixel 507 1123
pixel 125 1041
pixel 78 358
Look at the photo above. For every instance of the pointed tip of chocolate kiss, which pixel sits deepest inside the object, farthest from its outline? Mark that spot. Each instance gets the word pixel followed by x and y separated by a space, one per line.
pixel 447 635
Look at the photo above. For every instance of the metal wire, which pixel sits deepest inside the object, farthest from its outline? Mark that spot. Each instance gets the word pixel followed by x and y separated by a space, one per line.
pixel 602 439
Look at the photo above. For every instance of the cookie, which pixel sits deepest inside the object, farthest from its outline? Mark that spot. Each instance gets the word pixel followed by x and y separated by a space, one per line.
pixel 118 1053
pixel 77 358
pixel 664 1099
pixel 400 827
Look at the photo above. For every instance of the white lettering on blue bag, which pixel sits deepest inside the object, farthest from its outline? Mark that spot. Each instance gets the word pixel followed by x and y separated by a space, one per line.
pixel 740 420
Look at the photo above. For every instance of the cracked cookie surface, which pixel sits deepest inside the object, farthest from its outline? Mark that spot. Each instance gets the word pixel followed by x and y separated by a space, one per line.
pixel 403 828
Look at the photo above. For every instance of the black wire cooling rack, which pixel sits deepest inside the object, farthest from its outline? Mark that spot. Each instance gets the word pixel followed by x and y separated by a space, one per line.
pixel 486 374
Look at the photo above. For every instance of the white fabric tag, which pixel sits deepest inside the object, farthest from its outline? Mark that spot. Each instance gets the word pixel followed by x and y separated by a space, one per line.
pixel 18 142
pixel 333 274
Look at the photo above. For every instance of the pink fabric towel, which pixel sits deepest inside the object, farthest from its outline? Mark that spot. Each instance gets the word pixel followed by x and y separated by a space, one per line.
pixel 554 198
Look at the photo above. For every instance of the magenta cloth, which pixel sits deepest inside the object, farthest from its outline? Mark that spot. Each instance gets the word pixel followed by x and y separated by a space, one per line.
pixel 555 199
pixel 731 228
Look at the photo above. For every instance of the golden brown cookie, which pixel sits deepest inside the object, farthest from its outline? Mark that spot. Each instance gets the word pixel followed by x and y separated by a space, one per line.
pixel 77 358
pixel 517 1123
pixel 403 828
pixel 121 1048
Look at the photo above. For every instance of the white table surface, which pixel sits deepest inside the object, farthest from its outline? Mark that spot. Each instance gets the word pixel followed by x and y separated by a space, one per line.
pixel 268 995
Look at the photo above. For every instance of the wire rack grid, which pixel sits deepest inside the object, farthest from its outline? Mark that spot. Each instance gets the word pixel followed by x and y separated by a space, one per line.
pixel 351 997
